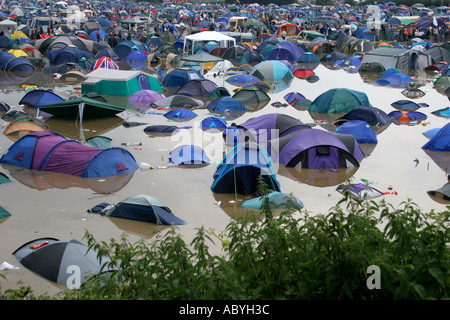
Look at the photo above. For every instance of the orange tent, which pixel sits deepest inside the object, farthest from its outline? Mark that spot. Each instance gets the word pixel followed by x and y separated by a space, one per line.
pixel 292 30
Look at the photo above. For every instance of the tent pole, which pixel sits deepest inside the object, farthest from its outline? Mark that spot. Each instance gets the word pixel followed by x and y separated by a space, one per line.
pixel 80 114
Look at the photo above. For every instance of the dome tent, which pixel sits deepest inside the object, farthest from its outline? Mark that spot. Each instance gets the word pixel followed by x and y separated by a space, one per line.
pixel 339 100
pixel 49 151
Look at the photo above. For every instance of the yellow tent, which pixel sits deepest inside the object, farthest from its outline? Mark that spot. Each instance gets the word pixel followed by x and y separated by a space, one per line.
pixel 17 34
pixel 18 52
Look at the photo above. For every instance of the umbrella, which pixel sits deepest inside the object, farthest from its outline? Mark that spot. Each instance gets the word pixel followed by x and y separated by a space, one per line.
pixel 144 98
pixel 60 260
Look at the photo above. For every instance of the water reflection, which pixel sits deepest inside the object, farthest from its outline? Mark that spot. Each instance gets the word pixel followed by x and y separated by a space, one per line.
pixel 317 177
pixel 45 180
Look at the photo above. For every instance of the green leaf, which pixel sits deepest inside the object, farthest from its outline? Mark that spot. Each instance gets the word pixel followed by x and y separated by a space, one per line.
pixel 420 291
pixel 437 274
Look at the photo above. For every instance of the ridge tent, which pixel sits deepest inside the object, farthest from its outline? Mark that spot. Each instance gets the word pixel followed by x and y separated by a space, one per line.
pixel 49 151
pixel 54 257
pixel 338 100
pixel 188 155
pixel 319 149
pixel 240 169
pixel 402 59
pixel 142 208
pixel 119 82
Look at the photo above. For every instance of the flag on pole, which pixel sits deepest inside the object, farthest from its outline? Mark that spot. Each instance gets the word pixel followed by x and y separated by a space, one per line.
pixel 435 21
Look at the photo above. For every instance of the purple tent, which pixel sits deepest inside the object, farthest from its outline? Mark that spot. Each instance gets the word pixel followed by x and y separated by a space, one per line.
pixel 262 127
pixel 48 151
pixel 319 149
pixel 144 98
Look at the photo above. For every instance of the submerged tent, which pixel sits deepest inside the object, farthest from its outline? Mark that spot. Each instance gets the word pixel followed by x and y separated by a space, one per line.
pixel 319 149
pixel 277 200
pixel 187 155
pixel 119 82
pixel 440 141
pixel 362 131
pixel 402 59
pixel 39 97
pixel 339 100
pixel 141 207
pixel 53 258
pixel 373 116
pixel 178 101
pixel 23 126
pixel 48 151
pixel 81 108
pixel 240 169
pixel 271 70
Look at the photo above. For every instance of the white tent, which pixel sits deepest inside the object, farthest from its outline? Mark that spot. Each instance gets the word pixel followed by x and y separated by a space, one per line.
pixel 220 38
pixel 8 23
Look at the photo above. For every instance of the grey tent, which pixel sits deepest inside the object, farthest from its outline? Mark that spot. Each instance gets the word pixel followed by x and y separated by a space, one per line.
pixel 441 195
pixel 140 207
pixel 178 101
pixel 402 59
pixel 60 260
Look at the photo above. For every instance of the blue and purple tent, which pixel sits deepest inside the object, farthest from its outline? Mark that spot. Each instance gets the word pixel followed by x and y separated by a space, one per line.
pixel 49 151
pixel 319 149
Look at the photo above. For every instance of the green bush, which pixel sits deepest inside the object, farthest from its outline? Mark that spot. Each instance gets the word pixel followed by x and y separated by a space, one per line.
pixel 295 255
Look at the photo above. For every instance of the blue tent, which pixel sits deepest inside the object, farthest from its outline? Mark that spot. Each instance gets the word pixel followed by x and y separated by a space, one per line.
pixel 40 97
pixel 48 151
pixel 124 48
pixel 68 54
pixel 97 37
pixel 411 117
pixel 213 123
pixel 180 115
pixel 240 168
pixel 373 116
pixel 440 141
pixel 362 131
pixel 137 60
pixel 407 105
pixel 285 50
pixel 180 76
pixel 308 61
pixel 241 79
pixel 226 104
pixel 189 155
pixel 17 65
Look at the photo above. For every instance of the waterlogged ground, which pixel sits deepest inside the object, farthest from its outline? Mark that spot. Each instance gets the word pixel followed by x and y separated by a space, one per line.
pixel 51 205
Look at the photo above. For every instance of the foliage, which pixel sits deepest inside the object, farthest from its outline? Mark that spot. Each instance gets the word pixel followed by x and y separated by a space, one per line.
pixel 295 255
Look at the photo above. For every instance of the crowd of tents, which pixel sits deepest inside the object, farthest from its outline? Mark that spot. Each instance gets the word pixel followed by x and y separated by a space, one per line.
pixel 257 49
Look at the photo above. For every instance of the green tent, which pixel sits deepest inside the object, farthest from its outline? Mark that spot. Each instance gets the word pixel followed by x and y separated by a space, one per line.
pixel 4 213
pixel 339 100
